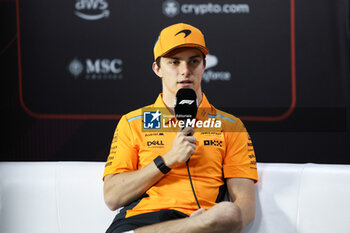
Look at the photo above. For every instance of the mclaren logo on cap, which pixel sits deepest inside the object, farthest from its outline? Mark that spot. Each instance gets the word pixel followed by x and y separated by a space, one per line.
pixel 186 32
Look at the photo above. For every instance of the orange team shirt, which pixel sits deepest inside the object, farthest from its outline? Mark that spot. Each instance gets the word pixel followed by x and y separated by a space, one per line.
pixel 225 152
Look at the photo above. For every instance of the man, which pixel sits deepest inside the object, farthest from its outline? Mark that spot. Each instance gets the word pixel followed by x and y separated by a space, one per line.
pixel 146 171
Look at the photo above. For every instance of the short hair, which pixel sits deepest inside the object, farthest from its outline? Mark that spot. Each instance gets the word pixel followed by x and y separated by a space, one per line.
pixel 158 59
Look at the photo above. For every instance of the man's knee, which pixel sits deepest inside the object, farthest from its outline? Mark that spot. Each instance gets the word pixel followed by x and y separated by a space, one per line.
pixel 227 216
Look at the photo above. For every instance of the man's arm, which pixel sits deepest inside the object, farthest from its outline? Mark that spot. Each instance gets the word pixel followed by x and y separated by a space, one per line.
pixel 123 188
pixel 242 193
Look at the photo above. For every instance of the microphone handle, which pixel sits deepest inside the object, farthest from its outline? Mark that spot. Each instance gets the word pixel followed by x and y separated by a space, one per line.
pixel 187 120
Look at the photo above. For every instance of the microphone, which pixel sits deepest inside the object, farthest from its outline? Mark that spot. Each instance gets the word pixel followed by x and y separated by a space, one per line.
pixel 186 105
pixel 186 108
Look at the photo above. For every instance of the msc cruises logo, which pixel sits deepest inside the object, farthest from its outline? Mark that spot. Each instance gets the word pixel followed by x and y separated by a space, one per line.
pixel 91 9
pixel 97 69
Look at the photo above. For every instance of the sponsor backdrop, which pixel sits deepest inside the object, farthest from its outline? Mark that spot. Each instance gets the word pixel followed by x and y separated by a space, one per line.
pixel 72 68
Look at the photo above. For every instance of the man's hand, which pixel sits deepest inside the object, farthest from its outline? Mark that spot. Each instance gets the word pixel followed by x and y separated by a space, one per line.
pixel 184 145
pixel 123 188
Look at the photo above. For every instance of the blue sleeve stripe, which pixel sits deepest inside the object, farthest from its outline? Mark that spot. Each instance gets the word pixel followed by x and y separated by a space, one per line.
pixel 218 115
pixel 134 118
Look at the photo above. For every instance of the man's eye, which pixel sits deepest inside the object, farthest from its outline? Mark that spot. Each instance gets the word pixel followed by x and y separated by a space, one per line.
pixel 174 62
pixel 194 61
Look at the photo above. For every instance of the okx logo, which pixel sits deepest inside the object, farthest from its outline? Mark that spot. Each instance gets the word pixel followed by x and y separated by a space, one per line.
pixel 151 120
pixel 213 143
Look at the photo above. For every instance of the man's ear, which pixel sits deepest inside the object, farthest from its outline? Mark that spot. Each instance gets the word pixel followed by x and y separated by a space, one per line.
pixel 156 69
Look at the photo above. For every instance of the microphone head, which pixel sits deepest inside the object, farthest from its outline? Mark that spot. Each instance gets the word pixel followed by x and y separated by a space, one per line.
pixel 186 104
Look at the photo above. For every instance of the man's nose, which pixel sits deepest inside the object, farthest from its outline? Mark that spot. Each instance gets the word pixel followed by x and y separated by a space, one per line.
pixel 185 69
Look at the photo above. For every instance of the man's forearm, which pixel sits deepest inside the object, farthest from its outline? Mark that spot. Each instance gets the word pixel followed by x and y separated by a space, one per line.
pixel 243 195
pixel 247 210
pixel 123 188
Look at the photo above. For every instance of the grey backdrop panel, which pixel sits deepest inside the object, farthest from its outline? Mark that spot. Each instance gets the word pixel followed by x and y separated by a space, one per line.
pixel 74 63
pixel 92 60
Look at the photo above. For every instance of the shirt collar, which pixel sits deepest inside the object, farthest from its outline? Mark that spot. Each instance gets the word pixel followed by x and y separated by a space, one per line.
pixel 205 108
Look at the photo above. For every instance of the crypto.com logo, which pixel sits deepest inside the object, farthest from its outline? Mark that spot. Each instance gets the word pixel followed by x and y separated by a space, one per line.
pixel 171 8
pixel 91 9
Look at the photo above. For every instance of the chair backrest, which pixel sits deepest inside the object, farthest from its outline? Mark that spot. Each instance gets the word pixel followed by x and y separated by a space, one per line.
pixel 65 197
pixel 302 198
pixel 62 197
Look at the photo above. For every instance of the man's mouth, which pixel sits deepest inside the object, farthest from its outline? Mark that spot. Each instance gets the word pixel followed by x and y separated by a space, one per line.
pixel 185 82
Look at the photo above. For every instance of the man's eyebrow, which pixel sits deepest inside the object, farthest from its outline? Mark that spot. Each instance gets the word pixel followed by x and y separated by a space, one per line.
pixel 177 58
pixel 195 56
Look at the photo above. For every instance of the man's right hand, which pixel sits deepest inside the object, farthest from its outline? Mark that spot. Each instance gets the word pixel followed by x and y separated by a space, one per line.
pixel 184 145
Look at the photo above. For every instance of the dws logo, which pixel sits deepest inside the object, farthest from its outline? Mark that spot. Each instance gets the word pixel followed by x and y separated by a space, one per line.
pixel 209 75
pixel 91 9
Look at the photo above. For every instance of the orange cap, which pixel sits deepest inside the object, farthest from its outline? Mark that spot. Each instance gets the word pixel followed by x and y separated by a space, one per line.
pixel 177 36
